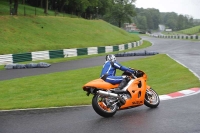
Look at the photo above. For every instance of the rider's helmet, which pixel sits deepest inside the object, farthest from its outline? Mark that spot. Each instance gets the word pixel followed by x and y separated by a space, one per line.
pixel 111 58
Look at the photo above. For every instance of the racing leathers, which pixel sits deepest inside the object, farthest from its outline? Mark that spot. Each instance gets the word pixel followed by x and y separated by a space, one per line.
pixel 109 70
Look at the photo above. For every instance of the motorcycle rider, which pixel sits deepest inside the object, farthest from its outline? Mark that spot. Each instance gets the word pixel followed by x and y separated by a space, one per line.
pixel 109 70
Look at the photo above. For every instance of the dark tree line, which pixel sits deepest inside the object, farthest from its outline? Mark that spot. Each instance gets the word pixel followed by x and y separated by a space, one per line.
pixel 150 19
pixel 115 12
pixel 177 22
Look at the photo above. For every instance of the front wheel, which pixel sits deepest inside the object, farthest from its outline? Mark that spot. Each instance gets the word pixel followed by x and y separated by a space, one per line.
pixel 152 99
pixel 104 106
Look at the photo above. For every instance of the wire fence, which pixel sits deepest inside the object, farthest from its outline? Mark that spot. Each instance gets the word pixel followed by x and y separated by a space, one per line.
pixel 26 10
pixel 35 11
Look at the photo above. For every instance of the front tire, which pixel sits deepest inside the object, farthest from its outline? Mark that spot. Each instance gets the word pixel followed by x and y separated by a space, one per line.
pixel 101 108
pixel 152 99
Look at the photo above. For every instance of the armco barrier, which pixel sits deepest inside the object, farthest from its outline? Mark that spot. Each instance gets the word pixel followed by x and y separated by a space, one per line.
pixel 43 55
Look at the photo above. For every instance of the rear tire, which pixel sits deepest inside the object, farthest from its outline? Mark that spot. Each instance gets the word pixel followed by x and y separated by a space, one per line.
pixel 152 99
pixel 100 107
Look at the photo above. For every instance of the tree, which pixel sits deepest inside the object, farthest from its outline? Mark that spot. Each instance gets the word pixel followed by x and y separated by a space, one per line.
pixel 180 22
pixel 141 22
pixel 14 10
pixel 171 23
pixel 62 4
pixel 155 17
pixel 46 6
pixel 150 23
pixel 149 18
pixel 121 11
pixel 93 8
pixel 175 21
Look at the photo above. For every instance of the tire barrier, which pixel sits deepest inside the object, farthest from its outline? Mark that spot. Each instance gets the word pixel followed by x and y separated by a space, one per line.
pixel 64 53
pixel 30 65
pixel 145 53
pixel 195 37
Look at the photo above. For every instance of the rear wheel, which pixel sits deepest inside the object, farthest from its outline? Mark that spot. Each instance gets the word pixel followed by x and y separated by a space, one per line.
pixel 104 106
pixel 152 99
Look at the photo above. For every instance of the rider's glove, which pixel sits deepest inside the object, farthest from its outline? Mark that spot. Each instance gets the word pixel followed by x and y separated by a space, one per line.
pixel 138 73
pixel 135 73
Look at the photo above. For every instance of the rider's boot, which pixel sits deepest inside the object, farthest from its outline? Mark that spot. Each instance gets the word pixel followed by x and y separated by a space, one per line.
pixel 122 84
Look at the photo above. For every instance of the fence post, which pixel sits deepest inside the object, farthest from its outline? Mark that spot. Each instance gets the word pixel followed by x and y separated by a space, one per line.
pixel 24 11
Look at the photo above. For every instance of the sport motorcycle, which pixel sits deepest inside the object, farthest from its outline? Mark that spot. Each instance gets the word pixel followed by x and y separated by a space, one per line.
pixel 107 100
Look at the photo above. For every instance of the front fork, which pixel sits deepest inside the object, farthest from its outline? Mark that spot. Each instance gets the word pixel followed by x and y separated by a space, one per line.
pixel 148 91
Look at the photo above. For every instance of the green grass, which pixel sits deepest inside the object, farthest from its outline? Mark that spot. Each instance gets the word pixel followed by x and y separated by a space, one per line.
pixel 65 88
pixel 191 31
pixel 25 34
pixel 21 34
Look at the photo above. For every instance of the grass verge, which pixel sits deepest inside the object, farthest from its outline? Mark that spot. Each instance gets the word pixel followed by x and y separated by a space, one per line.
pixel 65 88
pixel 19 34
pixel 190 31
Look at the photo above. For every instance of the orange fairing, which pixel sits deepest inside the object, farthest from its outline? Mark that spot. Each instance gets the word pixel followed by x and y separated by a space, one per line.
pixel 100 84
pixel 137 93
pixel 145 77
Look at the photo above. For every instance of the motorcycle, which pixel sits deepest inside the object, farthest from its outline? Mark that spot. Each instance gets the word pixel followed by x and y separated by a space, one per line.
pixel 107 101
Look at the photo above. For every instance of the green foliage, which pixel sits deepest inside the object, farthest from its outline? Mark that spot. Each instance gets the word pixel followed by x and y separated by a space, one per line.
pixel 121 12
pixel 172 23
pixel 166 17
pixel 154 17
pixel 147 18
pixel 141 22
pixel 177 22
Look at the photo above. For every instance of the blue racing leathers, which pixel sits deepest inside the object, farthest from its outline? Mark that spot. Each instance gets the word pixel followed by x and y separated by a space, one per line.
pixel 109 70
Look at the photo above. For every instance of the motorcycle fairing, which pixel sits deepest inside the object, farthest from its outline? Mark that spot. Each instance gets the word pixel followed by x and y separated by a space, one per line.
pixel 99 83
pixel 137 90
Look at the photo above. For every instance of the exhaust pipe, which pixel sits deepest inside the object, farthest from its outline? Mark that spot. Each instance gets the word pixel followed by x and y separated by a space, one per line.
pixel 109 94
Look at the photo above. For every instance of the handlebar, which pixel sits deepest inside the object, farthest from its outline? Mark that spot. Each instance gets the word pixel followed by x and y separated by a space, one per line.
pixel 136 74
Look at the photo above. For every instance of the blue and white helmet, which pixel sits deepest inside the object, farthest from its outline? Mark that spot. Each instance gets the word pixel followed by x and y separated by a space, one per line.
pixel 111 58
